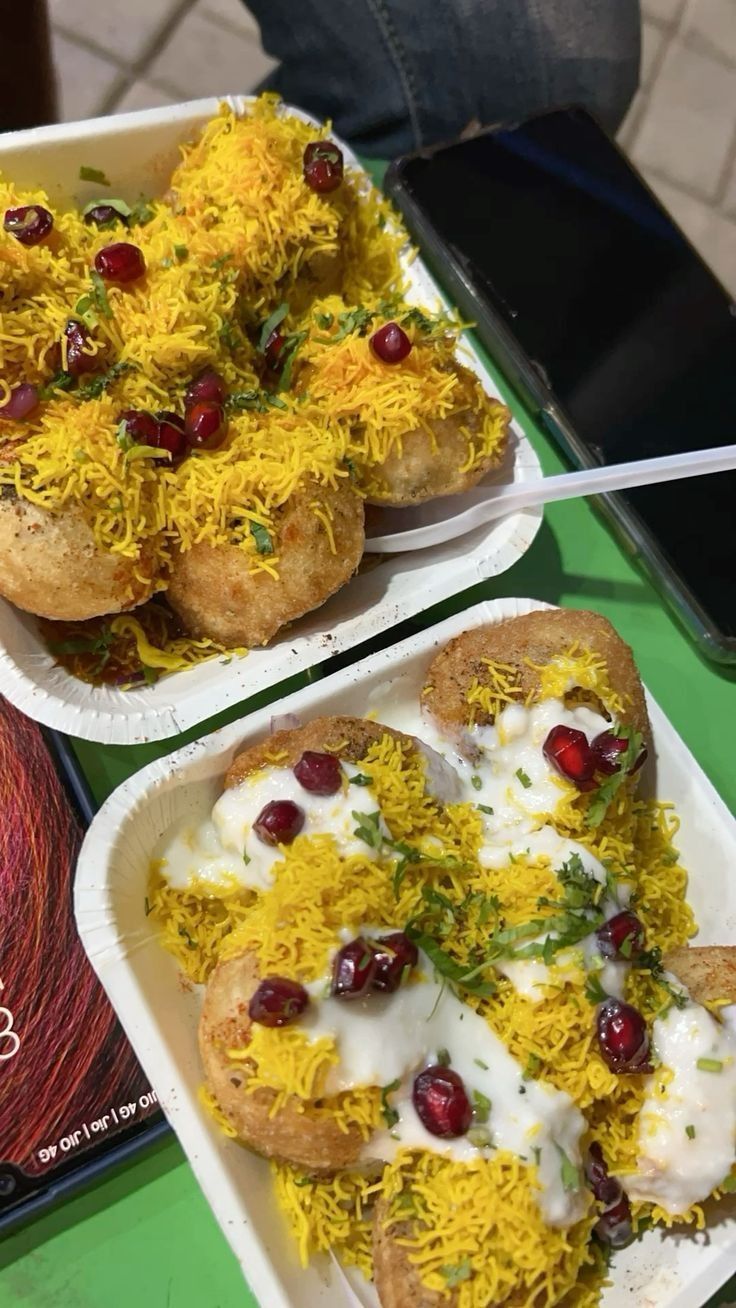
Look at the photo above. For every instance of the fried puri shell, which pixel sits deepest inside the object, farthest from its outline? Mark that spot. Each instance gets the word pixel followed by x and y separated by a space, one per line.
pixel 537 636
pixel 291 1134
pixel 216 595
pixel 348 738
pixel 51 565
pixel 430 463
pixel 708 972
pixel 397 1279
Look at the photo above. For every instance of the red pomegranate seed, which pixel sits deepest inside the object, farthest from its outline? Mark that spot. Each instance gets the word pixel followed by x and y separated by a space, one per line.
pixel 279 822
pixel 441 1101
pixel 623 1037
pixel 140 427
pixel 78 358
pixel 614 1226
pixel 621 936
pixel 606 1188
pixel 121 262
pixel 205 426
pixel 171 435
pixel 102 215
pixel 394 953
pixel 30 224
pixel 353 969
pixel 273 347
pixel 569 752
pixel 390 343
pixel 22 403
pixel 323 166
pixel 607 749
pixel 277 1002
pixel 207 387
pixel 319 773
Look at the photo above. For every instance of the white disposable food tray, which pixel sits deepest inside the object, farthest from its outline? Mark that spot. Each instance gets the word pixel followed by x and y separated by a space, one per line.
pixel 138 152
pixel 160 1016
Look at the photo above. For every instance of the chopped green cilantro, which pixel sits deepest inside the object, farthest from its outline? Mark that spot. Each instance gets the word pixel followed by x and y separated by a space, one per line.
pixel 690 1132
pixel 523 778
pixel 481 1107
pixel 261 538
pixel 360 779
pixel 99 294
pixel 390 1115
pixel 476 782
pixel 456 1274
pixel 369 828
pixel 443 1058
pixel 594 992
pixel 709 1065
pixel 533 1064
pixel 140 214
pixel 601 798
pixel 569 1173
pixel 273 321
pixel 93 175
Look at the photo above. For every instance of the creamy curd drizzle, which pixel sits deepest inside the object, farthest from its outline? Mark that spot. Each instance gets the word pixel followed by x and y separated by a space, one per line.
pixel 382 1039
pixel 226 850
pixel 687 1135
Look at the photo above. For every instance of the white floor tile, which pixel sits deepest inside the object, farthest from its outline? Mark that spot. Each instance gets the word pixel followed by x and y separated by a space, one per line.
pixel 690 120
pixel 662 11
pixel 124 28
pixel 626 134
pixel 231 13
pixel 710 26
pixel 729 203
pixel 203 58
pixel 653 39
pixel 713 236
pixel 84 80
pixel 142 95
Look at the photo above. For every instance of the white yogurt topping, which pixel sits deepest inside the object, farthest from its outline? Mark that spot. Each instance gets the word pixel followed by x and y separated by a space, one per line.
pixel 191 852
pixel 517 782
pixel 226 849
pixel 387 1038
pixel 680 1166
pixel 383 1039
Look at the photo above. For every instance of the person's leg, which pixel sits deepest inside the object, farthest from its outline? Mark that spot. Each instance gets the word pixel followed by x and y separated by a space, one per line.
pixel 27 85
pixel 395 75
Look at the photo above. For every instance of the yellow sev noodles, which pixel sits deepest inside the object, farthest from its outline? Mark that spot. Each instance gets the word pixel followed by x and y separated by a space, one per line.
pixel 474 1232
pixel 237 235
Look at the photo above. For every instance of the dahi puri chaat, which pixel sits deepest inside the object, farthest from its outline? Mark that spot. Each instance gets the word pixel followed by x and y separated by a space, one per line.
pixel 448 992
pixel 199 393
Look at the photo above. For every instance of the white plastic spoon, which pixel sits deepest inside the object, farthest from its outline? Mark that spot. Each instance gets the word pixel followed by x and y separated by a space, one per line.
pixel 480 506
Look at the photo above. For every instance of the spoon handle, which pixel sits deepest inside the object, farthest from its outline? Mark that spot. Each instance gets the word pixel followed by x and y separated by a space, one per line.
pixel 567 485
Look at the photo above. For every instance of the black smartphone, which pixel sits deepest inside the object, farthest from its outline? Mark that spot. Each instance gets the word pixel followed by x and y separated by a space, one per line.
pixel 605 320
pixel 73 1099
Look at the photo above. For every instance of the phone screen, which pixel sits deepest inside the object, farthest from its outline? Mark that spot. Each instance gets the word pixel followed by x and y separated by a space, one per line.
pixel 70 1087
pixel 632 334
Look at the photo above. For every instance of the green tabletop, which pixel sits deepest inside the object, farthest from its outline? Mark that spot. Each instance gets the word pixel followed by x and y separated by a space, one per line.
pixel 145 1238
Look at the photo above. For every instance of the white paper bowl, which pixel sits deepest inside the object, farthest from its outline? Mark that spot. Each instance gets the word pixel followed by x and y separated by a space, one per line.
pixel 138 152
pixel 160 1017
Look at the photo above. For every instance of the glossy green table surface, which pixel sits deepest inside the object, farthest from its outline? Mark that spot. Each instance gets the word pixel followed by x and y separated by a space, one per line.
pixel 144 1238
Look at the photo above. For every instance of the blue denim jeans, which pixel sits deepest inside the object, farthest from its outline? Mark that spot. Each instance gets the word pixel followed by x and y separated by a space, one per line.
pixel 396 75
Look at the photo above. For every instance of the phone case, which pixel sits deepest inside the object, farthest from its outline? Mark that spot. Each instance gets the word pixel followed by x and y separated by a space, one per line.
pixel 528 380
pixel 73 1100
